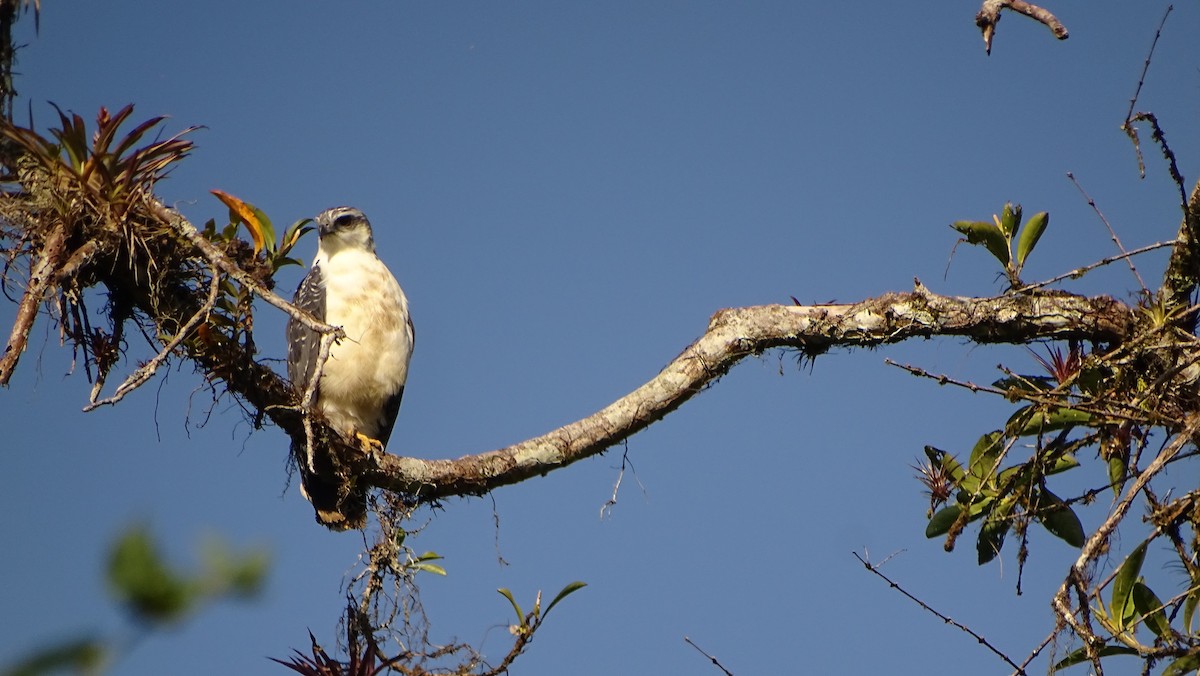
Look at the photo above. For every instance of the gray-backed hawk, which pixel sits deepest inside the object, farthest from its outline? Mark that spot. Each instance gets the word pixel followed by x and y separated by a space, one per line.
pixel 363 380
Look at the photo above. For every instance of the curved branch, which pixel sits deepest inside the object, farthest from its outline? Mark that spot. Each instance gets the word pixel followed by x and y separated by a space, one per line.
pixel 734 334
pixel 989 16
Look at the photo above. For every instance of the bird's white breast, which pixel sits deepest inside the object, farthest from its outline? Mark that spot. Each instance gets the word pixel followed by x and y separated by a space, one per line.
pixel 371 363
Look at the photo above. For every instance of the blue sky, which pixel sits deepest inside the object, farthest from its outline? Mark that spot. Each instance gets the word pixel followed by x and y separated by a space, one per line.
pixel 567 192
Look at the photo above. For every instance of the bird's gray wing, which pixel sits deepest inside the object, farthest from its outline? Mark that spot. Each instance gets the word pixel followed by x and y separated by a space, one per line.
pixel 303 342
pixel 391 407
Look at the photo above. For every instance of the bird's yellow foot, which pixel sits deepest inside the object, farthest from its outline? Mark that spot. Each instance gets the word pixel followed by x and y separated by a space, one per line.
pixel 368 444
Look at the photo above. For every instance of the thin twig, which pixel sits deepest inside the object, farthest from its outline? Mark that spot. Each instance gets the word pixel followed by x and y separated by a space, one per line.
pixel 1079 272
pixel 1112 232
pixel 1135 413
pixel 1146 66
pixel 309 402
pixel 144 372
pixel 1019 670
pixel 606 508
pixel 219 259
pixel 1036 651
pixel 1157 135
pixel 712 659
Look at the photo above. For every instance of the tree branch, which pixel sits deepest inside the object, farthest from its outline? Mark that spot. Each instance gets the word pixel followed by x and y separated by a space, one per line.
pixel 735 334
pixel 1183 269
pixel 989 16
pixel 42 276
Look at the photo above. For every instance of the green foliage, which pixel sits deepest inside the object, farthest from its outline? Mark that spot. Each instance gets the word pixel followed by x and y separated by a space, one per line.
pixel 156 595
pixel 109 170
pixel 154 592
pixel 266 249
pixel 262 231
pixel 1079 655
pixel 1184 665
pixel 263 256
pixel 87 656
pixel 423 562
pixel 141 580
pixel 526 624
pixel 997 237
pixel 1058 518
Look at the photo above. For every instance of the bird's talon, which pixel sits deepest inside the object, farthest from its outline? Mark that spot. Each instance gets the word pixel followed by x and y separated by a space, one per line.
pixel 369 445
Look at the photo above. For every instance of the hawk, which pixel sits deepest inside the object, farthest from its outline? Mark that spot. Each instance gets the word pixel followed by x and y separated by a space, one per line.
pixel 362 382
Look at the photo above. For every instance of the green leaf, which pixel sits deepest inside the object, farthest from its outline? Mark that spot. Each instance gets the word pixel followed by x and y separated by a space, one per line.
pixel 987 234
pixel 422 562
pixel 1151 610
pixel 1025 383
pixel 1010 218
pixel 980 508
pixel 1059 519
pixel 994 530
pixel 942 520
pixel 520 613
pixel 268 230
pixel 1121 601
pixel 567 590
pixel 1042 421
pixel 1030 235
pixel 1184 665
pixel 141 580
pixel 1079 655
pixel 430 568
pixel 293 234
pixel 1092 379
pixel 982 467
pixel 1063 463
pixel 1189 606
pixel 1117 471
pixel 228 572
pixel 81 656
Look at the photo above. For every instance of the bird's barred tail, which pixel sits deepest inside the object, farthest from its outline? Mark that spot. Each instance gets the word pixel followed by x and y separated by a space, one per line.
pixel 340 504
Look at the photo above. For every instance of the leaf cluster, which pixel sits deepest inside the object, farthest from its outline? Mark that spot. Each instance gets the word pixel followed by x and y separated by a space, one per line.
pixel 1002 233
pixel 108 170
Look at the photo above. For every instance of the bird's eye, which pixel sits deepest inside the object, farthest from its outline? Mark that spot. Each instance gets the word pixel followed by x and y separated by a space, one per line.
pixel 343 221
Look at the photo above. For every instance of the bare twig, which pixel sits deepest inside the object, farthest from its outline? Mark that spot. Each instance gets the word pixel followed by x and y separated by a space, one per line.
pixel 1146 69
pixel 220 260
pixel 1019 670
pixel 712 659
pixel 147 370
pixel 606 508
pixel 1132 412
pixel 309 402
pixel 1080 271
pixel 1113 233
pixel 1034 653
pixel 989 16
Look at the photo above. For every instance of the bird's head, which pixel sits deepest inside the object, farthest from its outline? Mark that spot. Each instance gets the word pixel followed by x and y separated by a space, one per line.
pixel 343 228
